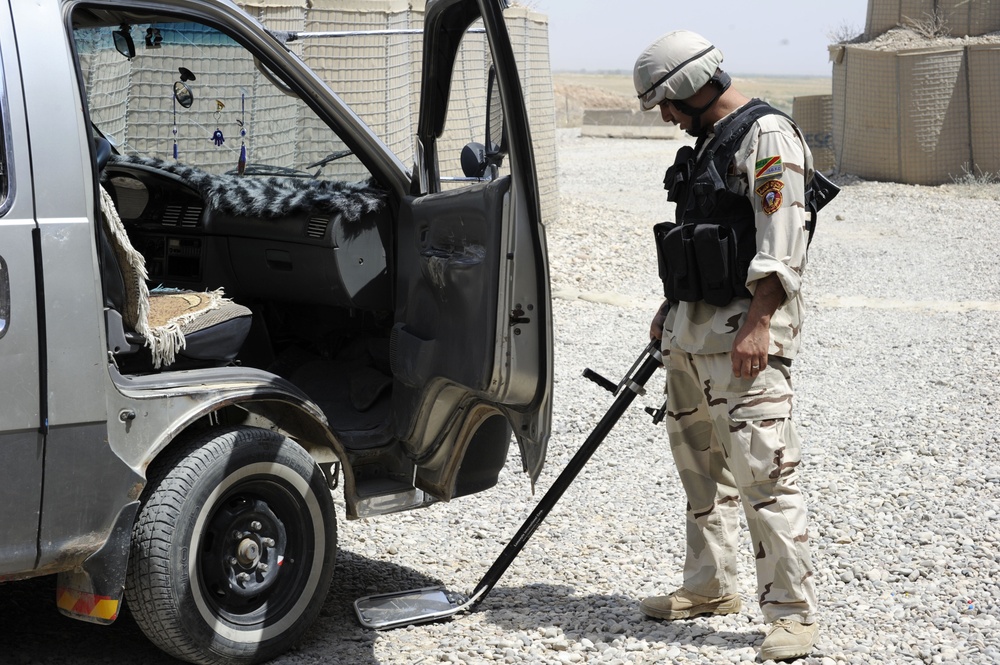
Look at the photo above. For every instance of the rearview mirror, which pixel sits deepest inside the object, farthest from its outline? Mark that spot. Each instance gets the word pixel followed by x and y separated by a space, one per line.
pixel 123 41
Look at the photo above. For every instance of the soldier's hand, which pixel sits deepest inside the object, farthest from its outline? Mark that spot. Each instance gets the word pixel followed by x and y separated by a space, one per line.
pixel 656 327
pixel 750 348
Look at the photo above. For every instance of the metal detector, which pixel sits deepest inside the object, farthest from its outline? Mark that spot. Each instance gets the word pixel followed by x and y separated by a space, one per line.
pixel 406 608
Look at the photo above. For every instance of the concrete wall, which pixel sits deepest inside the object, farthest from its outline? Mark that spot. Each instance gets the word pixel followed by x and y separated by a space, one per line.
pixel 613 123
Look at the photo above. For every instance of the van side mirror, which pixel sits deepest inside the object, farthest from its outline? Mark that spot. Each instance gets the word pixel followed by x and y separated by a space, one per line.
pixel 477 157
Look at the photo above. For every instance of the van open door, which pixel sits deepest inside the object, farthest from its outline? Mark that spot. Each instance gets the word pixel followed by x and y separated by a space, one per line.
pixel 472 342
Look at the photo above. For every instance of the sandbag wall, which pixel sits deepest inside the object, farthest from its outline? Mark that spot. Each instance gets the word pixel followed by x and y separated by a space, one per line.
pixel 919 116
pixel 379 75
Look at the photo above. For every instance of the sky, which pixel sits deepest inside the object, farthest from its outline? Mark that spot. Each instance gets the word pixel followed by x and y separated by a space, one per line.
pixel 769 38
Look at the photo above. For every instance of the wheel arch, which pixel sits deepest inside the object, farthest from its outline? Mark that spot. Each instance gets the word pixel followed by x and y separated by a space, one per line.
pixel 299 420
pixel 157 415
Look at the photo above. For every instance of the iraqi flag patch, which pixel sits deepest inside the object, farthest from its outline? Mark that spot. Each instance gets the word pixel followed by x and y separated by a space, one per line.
pixel 770 196
pixel 769 167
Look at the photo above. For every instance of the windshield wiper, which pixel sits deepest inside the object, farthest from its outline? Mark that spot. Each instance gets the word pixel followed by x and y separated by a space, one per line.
pixel 332 157
pixel 268 169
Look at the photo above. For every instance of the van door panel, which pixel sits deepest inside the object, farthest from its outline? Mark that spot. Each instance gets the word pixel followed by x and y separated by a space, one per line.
pixel 452 241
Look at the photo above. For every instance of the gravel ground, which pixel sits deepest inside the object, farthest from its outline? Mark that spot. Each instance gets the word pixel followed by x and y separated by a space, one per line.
pixel 897 389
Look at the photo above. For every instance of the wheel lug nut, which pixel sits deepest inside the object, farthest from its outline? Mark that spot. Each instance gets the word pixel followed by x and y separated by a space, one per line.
pixel 232 561
pixel 262 567
pixel 255 526
pixel 267 542
pixel 243 577
pixel 237 535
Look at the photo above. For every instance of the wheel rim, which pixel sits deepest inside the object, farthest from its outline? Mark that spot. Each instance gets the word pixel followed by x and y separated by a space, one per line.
pixel 255 553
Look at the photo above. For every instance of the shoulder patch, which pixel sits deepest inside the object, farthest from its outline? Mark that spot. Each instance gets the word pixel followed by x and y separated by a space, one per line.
pixel 769 167
pixel 770 195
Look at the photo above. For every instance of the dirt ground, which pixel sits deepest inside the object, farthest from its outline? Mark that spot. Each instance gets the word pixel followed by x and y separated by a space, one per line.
pixel 575 91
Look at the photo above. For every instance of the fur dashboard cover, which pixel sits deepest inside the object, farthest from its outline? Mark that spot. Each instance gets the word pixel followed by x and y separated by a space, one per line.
pixel 270 196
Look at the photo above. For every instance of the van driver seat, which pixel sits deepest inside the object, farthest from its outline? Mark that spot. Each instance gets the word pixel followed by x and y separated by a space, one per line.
pixel 173 324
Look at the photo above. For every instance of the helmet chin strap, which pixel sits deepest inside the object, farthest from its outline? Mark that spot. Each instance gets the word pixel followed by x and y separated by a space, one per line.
pixel 721 81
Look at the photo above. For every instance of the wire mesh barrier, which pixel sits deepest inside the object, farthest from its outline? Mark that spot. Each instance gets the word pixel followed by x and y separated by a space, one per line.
pixel 374 63
pixel 919 101
pixel 814 116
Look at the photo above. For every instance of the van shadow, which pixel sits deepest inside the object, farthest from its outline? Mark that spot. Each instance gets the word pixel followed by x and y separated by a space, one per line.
pixel 35 633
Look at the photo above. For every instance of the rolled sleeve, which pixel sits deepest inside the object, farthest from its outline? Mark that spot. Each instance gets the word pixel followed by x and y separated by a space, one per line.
pixel 763 265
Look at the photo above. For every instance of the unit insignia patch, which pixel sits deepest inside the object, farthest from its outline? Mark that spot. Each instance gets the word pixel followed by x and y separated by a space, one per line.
pixel 770 195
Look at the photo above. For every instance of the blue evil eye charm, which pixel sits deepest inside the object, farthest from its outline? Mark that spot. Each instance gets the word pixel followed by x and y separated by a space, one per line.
pixel 218 138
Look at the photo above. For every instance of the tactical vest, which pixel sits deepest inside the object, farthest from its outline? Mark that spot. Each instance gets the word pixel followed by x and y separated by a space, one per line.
pixel 706 253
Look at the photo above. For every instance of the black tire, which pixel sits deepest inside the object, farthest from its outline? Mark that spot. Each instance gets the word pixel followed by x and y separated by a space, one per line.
pixel 234 498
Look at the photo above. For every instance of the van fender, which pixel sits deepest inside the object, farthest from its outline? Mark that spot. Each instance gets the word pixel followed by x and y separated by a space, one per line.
pixel 154 410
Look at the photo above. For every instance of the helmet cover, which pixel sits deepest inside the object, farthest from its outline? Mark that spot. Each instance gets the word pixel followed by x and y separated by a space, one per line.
pixel 675 66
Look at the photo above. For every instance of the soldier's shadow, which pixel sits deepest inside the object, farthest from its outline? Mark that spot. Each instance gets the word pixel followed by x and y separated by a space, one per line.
pixel 600 617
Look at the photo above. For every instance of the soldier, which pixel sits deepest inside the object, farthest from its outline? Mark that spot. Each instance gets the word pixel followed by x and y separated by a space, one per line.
pixel 732 267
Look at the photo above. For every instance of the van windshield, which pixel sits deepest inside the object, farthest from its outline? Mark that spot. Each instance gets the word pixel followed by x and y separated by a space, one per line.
pixel 192 94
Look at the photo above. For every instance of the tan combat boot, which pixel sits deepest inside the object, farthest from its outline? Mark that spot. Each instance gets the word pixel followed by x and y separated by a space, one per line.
pixel 788 639
pixel 684 604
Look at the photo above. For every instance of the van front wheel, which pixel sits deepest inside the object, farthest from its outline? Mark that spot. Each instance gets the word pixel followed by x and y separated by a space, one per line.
pixel 234 547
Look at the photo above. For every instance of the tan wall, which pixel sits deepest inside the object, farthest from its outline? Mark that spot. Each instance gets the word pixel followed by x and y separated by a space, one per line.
pixel 962 17
pixel 920 116
pixel 984 97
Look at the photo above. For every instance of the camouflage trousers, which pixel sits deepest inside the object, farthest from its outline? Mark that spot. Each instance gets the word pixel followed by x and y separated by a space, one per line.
pixel 733 442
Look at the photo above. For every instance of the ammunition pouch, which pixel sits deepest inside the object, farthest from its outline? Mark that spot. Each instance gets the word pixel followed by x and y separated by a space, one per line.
pixel 703 261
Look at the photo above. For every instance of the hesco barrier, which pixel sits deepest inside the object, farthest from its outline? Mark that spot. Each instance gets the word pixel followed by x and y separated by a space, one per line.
pixel 961 17
pixel 917 116
pixel 379 75
pixel 984 96
pixel 814 116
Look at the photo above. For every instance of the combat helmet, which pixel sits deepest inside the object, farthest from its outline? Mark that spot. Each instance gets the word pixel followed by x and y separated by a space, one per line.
pixel 675 67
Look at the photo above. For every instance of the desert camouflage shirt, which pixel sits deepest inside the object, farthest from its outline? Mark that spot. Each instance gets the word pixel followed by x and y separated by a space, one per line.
pixel 771 167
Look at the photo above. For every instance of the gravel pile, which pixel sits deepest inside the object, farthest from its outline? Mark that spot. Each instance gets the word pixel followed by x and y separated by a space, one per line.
pixel 897 398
